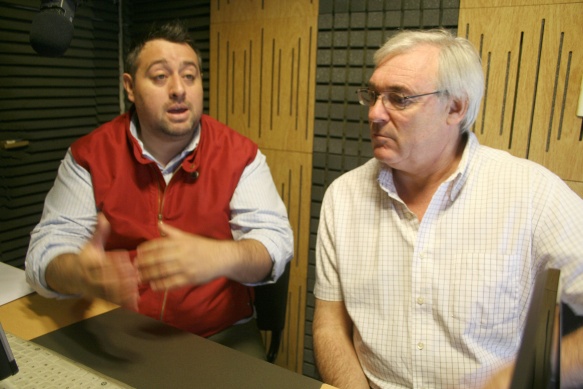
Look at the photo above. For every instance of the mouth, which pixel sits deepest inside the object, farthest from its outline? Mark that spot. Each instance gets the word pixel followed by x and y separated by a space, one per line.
pixel 379 134
pixel 381 131
pixel 177 109
pixel 382 139
pixel 178 112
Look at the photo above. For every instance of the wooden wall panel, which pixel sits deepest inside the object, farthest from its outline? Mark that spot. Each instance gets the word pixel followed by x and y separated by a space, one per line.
pixel 577 187
pixel 557 138
pixel 510 3
pixel 533 62
pixel 262 82
pixel 263 71
pixel 292 172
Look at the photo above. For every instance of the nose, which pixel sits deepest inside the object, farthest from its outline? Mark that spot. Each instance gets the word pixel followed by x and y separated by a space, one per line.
pixel 177 89
pixel 377 112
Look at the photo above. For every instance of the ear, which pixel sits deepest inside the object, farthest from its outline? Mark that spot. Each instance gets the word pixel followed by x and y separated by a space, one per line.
pixel 457 111
pixel 128 85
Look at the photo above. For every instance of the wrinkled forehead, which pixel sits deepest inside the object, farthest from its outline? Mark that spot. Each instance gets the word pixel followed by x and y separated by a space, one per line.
pixel 160 50
pixel 408 70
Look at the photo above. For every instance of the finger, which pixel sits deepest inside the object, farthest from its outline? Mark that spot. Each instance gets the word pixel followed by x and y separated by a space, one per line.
pixel 156 252
pixel 169 231
pixel 125 288
pixel 158 285
pixel 101 232
pixel 159 271
pixel 168 283
pixel 151 255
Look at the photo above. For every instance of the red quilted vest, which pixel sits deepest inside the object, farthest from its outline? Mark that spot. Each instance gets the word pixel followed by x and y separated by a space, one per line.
pixel 131 192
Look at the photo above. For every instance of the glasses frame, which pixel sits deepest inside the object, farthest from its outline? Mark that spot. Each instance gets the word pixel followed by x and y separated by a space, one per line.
pixel 385 101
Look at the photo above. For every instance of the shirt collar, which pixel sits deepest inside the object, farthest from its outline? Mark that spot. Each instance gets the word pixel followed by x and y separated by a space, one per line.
pixel 455 181
pixel 176 161
pixel 460 176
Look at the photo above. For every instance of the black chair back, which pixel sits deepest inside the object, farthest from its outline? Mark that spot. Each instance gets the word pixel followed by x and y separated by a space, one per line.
pixel 271 307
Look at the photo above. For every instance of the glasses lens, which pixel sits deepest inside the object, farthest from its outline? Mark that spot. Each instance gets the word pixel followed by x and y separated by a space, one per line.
pixel 394 100
pixel 365 96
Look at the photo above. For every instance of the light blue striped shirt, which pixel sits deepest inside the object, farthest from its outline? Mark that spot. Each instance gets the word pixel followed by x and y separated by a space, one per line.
pixel 70 215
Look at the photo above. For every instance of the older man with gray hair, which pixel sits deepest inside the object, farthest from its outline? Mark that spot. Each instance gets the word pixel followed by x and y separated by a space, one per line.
pixel 427 254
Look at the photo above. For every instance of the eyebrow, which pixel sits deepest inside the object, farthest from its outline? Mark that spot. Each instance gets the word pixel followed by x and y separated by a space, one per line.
pixel 164 62
pixel 190 63
pixel 393 88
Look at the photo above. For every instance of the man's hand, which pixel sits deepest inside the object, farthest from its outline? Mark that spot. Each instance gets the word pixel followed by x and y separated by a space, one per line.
pixel 96 273
pixel 501 379
pixel 179 258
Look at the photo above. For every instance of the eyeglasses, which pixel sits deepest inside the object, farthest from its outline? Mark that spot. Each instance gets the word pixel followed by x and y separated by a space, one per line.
pixel 391 100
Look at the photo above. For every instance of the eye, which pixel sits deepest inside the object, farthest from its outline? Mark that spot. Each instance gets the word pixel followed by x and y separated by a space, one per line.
pixel 190 77
pixel 396 99
pixel 159 77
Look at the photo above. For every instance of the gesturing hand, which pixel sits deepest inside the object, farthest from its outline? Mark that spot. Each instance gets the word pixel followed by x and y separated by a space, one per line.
pixel 109 275
pixel 179 258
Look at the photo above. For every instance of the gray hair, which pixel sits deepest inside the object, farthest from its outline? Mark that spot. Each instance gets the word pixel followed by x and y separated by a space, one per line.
pixel 459 70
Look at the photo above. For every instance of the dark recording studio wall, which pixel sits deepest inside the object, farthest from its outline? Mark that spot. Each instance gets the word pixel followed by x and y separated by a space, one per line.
pixel 50 102
pixel 349 32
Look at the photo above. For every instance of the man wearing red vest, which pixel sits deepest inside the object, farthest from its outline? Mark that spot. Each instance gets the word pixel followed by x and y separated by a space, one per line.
pixel 163 210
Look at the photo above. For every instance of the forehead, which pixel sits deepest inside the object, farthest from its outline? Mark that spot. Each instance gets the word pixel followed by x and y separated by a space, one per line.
pixel 160 50
pixel 413 70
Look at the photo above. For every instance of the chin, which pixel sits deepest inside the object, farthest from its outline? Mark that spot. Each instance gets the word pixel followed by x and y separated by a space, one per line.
pixel 383 155
pixel 177 131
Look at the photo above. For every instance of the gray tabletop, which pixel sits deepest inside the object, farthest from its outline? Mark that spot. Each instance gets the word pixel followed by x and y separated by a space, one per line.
pixel 146 353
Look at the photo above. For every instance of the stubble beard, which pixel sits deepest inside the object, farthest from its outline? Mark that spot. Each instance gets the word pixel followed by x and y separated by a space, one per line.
pixel 171 130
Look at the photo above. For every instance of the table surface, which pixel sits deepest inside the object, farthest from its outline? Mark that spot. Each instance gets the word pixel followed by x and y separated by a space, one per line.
pixel 33 315
pixel 137 350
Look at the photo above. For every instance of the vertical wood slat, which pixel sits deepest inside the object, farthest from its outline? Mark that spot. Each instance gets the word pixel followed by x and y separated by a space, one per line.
pixel 467 4
pixel 533 61
pixel 292 173
pixel 262 82
pixel 263 73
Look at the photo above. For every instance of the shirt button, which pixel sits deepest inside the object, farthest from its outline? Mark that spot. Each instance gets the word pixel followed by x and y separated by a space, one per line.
pixel 420 300
pixel 420 346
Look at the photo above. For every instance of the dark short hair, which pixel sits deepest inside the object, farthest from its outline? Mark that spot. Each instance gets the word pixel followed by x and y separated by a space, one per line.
pixel 173 31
